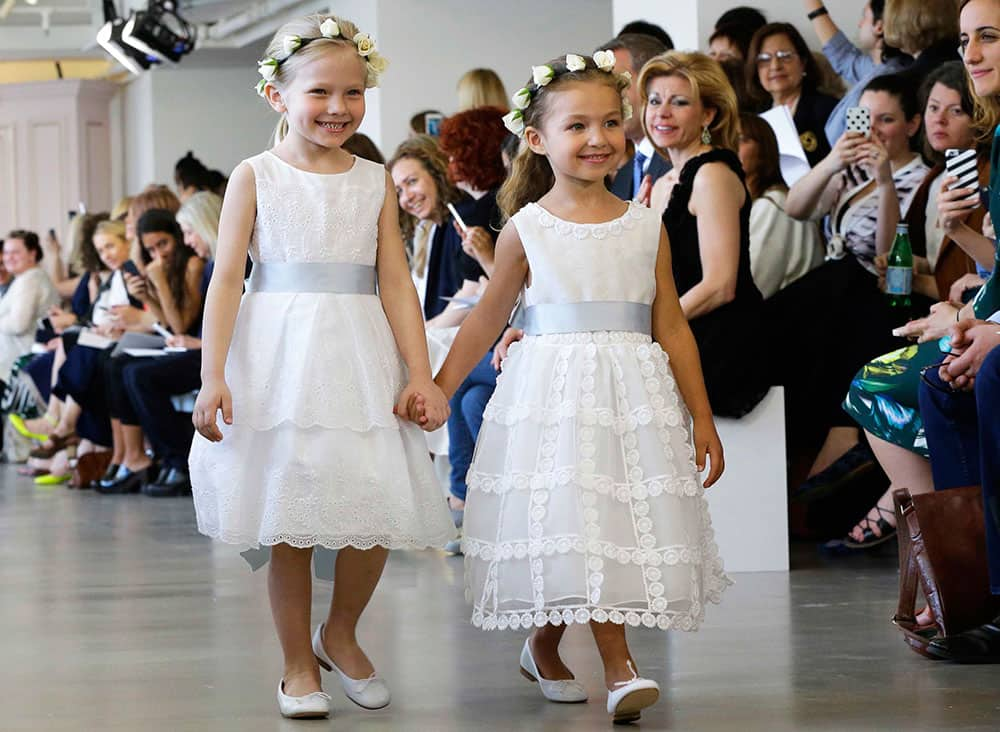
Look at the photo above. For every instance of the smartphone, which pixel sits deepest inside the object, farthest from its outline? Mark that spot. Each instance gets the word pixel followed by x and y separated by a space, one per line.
pixel 432 123
pixel 962 164
pixel 45 323
pixel 859 119
pixel 458 219
pixel 130 267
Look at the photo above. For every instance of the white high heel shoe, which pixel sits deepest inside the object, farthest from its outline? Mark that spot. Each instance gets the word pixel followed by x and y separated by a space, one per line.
pixel 626 703
pixel 311 706
pixel 370 693
pixel 563 691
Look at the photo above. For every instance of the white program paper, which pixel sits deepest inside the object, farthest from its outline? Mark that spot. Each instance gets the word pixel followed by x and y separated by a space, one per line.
pixel 794 163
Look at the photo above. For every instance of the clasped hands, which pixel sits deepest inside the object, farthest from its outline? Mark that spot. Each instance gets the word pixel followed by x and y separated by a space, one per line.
pixel 971 342
pixel 423 403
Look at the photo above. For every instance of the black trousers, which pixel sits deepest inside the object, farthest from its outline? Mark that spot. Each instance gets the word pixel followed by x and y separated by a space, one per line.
pixel 148 384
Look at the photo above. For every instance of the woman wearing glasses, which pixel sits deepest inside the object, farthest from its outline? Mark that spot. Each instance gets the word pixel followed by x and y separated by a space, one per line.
pixel 782 70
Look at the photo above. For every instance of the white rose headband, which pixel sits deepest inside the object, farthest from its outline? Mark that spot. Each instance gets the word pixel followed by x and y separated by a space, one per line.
pixel 375 63
pixel 543 75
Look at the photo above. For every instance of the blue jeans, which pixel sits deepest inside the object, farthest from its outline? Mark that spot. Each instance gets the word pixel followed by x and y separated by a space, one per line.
pixel 467 407
pixel 965 450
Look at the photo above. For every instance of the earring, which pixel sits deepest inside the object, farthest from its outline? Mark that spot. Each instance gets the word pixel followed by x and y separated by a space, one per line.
pixel 706 136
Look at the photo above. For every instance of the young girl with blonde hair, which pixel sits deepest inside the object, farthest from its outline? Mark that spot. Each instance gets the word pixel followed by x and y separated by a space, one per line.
pixel 584 502
pixel 310 365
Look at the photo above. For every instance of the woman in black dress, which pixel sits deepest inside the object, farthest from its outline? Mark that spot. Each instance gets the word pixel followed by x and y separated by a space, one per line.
pixel 690 114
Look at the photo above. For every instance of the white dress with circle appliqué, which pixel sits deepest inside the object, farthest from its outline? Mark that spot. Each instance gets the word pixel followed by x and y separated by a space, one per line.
pixel 584 501
pixel 315 455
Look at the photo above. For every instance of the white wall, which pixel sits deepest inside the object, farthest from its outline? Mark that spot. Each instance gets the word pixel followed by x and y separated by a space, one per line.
pixel 431 45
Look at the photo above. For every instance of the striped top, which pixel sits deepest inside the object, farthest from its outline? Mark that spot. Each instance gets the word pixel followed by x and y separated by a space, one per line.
pixel 853 221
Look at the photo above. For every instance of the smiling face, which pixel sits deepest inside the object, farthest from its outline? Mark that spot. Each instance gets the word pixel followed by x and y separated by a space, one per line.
pixel 193 240
pixel 16 257
pixel 112 250
pixel 417 192
pixel 324 100
pixel 889 123
pixel 581 131
pixel 781 75
pixel 980 39
pixel 674 117
pixel 159 245
pixel 947 124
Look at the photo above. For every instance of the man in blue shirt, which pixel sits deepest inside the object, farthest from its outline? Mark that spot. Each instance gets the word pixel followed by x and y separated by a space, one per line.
pixel 856 65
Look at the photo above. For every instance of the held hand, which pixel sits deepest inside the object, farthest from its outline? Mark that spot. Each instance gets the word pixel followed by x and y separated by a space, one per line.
pixel 963 283
pixel 977 338
pixel 213 396
pixel 184 341
pixel 873 156
pixel 510 337
pixel 423 403
pixel 844 152
pixel 60 319
pixel 943 315
pixel 136 286
pixel 476 242
pixel 708 445
pixel 954 206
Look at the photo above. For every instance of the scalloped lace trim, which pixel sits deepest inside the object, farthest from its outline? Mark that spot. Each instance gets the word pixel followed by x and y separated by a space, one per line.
pixel 329 541
pixel 614 228
pixel 580 614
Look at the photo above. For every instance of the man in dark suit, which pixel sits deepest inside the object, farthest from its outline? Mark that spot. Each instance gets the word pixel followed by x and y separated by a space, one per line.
pixel 632 51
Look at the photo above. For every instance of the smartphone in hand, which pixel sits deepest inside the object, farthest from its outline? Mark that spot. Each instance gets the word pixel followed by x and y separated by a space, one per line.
pixel 859 119
pixel 963 164
pixel 130 267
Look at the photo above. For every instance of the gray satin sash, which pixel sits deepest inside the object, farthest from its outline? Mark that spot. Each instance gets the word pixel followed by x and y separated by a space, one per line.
pixel 333 277
pixel 588 317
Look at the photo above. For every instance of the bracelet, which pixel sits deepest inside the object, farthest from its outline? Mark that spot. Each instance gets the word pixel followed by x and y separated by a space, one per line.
pixel 818 12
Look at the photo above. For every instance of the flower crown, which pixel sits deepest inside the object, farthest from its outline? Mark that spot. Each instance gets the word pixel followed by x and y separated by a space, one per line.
pixel 375 63
pixel 543 75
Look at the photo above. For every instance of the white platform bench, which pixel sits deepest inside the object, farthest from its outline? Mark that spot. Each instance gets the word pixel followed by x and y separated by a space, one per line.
pixel 750 505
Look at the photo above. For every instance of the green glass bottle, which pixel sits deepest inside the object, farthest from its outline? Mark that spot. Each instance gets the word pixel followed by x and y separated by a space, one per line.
pixel 899 275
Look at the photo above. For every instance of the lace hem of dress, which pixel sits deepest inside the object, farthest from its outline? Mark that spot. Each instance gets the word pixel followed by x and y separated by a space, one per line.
pixel 271 421
pixel 614 228
pixel 580 614
pixel 624 491
pixel 329 541
pixel 550 546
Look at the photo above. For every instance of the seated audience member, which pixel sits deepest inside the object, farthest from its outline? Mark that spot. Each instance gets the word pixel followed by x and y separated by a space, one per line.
pixel 153 196
pixel 730 42
pixel 691 117
pixel 149 383
pixel 191 176
pixel 883 395
pixel 781 249
pixel 842 299
pixel 481 88
pixel 361 145
pixel 472 142
pixel 781 70
pixel 27 300
pixel 857 65
pixel 927 30
pixel 645 166
pixel 419 171
pixel 646 28
pixel 959 405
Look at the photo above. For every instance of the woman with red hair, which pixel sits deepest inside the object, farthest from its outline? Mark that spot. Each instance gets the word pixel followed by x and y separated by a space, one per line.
pixel 472 140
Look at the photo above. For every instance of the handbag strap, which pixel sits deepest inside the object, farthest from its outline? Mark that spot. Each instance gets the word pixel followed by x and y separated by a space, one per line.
pixel 905 616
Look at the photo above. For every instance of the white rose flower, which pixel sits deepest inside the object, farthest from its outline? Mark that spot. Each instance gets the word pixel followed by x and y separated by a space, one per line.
pixel 542 75
pixel 605 60
pixel 329 28
pixel 626 109
pixel 261 85
pixel 268 68
pixel 291 44
pixel 627 76
pixel 365 44
pixel 521 98
pixel 575 63
pixel 378 63
pixel 514 121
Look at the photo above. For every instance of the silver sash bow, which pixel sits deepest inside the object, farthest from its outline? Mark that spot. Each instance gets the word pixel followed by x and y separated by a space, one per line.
pixel 588 317
pixel 333 277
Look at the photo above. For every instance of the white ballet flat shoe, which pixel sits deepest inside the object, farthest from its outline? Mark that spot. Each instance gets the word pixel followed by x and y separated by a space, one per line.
pixel 310 706
pixel 563 691
pixel 370 693
pixel 625 704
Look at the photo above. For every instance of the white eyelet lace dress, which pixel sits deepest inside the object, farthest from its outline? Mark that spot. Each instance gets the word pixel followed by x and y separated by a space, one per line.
pixel 315 456
pixel 584 501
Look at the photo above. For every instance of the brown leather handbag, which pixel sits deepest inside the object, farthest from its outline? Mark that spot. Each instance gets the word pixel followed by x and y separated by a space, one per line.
pixel 942 546
pixel 89 467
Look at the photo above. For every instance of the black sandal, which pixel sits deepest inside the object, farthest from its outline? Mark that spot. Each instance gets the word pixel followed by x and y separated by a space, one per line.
pixel 887 531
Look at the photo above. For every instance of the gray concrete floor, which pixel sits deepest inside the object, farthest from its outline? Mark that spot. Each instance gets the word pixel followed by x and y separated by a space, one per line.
pixel 116 615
